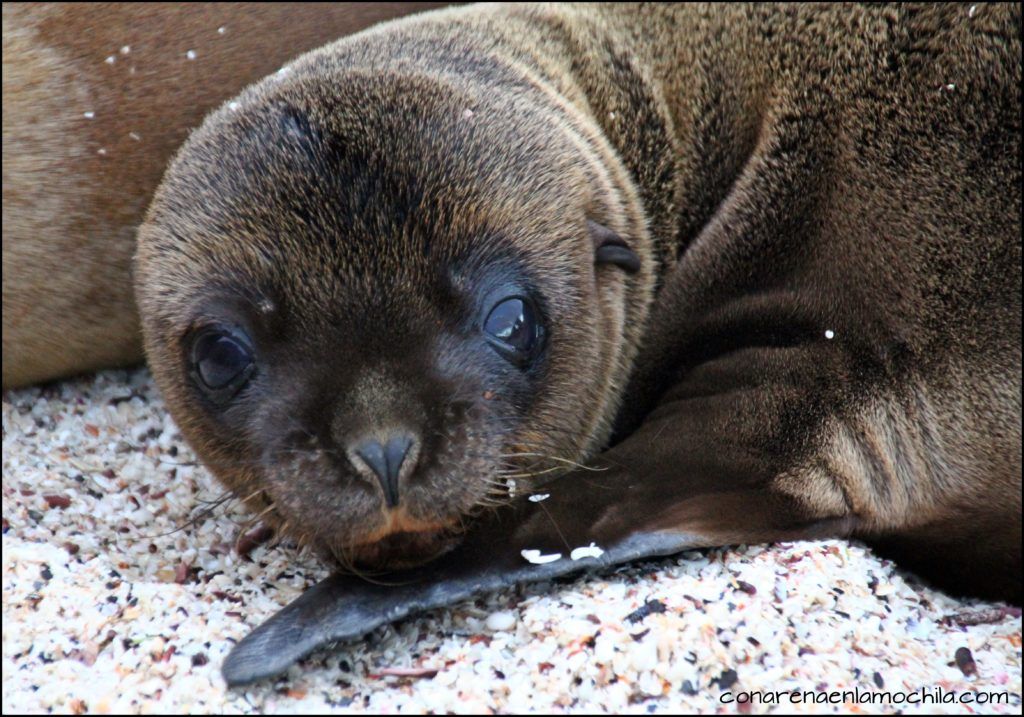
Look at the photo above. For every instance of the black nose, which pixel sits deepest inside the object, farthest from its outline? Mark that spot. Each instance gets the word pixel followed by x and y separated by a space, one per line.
pixel 386 462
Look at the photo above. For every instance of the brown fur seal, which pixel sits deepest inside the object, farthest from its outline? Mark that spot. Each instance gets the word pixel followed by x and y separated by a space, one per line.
pixel 96 99
pixel 759 264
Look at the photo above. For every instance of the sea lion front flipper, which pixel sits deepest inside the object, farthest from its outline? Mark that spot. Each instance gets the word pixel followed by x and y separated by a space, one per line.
pixel 343 607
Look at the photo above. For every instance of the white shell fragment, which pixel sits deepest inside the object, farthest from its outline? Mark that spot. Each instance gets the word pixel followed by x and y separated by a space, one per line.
pixel 89 115
pixel 534 556
pixel 538 497
pixel 511 486
pixel 191 54
pixel 830 334
pixel 588 551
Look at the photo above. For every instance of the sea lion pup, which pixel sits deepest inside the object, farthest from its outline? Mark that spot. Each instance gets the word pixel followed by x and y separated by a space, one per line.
pixel 96 99
pixel 770 255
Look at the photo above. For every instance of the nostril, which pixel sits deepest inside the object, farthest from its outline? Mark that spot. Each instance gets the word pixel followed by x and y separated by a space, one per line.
pixel 396 452
pixel 386 462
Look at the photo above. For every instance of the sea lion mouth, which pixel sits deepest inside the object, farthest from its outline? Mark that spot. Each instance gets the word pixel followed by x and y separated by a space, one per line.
pixel 403 549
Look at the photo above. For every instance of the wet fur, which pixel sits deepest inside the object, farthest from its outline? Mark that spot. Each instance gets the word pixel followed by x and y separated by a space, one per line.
pixel 779 170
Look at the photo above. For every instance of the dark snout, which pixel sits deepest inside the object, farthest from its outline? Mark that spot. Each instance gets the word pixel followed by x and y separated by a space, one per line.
pixel 389 460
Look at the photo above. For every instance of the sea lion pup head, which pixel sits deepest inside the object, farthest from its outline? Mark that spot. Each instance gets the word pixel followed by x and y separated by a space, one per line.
pixel 371 298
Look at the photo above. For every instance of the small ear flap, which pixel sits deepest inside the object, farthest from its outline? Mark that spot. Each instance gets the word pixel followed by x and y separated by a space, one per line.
pixel 610 248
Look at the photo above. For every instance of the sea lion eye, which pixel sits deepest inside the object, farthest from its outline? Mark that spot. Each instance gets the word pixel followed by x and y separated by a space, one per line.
pixel 512 328
pixel 222 362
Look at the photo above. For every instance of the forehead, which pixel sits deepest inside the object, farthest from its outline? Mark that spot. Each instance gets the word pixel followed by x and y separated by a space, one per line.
pixel 391 252
pixel 360 198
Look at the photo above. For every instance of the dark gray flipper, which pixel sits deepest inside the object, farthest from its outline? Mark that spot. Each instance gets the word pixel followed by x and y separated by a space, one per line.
pixel 344 608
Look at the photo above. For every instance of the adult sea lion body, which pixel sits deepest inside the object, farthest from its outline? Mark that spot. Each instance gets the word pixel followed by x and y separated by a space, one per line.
pixel 97 97
pixel 760 265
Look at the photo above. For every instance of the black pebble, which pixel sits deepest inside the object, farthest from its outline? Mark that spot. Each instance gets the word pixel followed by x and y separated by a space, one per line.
pixel 965 661
pixel 649 607
pixel 727 679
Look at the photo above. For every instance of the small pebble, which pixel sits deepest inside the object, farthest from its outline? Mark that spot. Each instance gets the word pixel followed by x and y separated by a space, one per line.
pixel 500 621
pixel 191 54
pixel 746 587
pixel 57 501
pixel 648 608
pixel 89 115
pixel 965 661
pixel 830 334
pixel 727 679
pixel 111 60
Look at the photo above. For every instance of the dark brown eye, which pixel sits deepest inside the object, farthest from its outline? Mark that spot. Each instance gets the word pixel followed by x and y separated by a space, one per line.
pixel 222 362
pixel 512 328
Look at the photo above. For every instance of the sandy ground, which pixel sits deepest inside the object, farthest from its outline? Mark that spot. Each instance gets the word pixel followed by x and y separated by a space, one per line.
pixel 112 602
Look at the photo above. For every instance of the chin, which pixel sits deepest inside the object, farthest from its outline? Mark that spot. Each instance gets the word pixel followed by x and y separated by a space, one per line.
pixel 399 550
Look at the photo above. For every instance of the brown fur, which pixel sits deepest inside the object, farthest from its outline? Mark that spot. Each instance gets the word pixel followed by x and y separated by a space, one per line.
pixel 779 170
pixel 70 212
